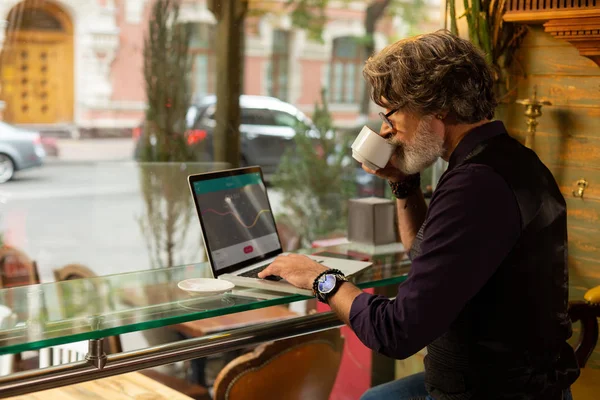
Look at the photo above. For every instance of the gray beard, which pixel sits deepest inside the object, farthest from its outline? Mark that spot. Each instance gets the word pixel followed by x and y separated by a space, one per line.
pixel 424 150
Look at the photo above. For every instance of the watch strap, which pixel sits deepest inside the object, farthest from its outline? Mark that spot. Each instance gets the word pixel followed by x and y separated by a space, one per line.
pixel 404 188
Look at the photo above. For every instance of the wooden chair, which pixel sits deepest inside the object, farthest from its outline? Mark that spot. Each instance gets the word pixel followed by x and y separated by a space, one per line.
pixel 300 368
pixel 16 268
pixel 587 385
pixel 73 271
pixel 113 344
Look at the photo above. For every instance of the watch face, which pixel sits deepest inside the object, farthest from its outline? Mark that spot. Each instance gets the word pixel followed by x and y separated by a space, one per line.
pixel 327 283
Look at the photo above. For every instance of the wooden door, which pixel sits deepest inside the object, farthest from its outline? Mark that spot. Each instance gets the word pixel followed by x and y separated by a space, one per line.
pixel 37 79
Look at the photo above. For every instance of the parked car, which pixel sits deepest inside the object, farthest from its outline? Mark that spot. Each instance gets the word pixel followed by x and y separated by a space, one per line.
pixel 267 128
pixel 19 150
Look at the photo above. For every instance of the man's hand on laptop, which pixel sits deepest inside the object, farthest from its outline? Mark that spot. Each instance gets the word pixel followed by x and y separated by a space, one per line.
pixel 298 270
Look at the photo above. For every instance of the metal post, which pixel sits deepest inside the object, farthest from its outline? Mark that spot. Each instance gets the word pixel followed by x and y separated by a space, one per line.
pixel 96 355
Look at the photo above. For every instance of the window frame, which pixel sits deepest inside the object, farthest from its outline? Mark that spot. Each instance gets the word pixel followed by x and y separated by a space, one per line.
pixel 209 52
pixel 357 61
pixel 280 56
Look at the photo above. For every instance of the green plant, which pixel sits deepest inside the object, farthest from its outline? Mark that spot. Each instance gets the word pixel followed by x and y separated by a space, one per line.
pixel 487 30
pixel 167 67
pixel 316 179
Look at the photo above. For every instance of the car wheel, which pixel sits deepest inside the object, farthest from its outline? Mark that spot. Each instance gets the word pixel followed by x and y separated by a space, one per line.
pixel 7 168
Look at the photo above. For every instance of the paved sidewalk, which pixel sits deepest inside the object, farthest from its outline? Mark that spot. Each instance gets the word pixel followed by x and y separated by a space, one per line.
pixel 77 150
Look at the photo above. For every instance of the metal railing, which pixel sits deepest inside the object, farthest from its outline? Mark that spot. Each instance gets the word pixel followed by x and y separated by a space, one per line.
pixel 98 365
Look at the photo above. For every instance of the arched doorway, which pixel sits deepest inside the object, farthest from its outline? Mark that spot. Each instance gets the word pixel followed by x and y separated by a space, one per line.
pixel 36 65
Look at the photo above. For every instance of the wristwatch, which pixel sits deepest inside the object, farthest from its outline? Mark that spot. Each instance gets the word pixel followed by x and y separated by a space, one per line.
pixel 327 284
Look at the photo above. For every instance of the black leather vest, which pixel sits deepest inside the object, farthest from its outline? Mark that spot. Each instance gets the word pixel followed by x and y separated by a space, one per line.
pixel 509 342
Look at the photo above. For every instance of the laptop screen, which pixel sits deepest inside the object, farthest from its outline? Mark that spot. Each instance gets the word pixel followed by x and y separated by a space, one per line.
pixel 237 220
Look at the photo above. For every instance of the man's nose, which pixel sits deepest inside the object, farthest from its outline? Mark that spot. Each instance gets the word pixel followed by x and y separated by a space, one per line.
pixel 385 129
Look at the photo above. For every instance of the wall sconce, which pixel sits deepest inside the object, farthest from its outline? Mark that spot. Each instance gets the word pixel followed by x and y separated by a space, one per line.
pixel 533 110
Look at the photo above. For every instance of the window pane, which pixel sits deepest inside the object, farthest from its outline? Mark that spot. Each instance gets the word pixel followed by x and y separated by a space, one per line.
pixel 212 67
pixel 252 116
pixel 202 45
pixel 269 79
pixel 348 62
pixel 277 75
pixel 35 20
pixel 280 41
pixel 346 47
pixel 350 83
pixel 283 93
pixel 201 75
pixel 202 36
pixel 283 74
pixel 285 119
pixel 337 82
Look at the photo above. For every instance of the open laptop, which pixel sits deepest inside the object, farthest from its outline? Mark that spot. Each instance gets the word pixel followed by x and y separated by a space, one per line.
pixel 238 228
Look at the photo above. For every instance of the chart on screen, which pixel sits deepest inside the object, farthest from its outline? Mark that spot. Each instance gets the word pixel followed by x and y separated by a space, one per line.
pixel 238 223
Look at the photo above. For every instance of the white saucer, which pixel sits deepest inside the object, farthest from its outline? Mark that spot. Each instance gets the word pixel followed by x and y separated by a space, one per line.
pixel 205 286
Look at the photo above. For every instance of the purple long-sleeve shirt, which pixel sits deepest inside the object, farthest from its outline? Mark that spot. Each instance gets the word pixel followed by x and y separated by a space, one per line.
pixel 473 222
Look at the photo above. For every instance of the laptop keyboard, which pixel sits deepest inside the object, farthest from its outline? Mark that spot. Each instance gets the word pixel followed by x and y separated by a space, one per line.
pixel 253 273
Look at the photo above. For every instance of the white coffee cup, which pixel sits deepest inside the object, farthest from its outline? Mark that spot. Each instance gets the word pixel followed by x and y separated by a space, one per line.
pixel 371 149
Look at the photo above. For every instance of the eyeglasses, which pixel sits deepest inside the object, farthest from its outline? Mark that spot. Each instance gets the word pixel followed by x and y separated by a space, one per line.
pixel 386 118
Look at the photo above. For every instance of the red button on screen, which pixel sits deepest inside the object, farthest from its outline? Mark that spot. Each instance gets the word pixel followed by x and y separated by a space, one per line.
pixel 248 249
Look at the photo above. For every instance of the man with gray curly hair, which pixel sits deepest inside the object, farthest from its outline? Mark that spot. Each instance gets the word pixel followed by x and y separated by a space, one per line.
pixel 488 288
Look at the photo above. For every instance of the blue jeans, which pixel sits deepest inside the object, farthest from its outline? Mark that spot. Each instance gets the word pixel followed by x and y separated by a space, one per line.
pixel 410 388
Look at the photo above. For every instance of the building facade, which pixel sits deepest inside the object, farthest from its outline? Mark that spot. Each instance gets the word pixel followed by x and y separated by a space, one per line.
pixel 76 66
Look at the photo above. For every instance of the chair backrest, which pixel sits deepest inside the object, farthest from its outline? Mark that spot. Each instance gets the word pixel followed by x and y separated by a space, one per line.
pixel 303 367
pixel 16 268
pixel 588 313
pixel 73 271
pixel 112 344
pixel 76 351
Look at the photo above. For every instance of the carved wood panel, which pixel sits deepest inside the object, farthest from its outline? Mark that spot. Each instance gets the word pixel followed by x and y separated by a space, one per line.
pixel 539 11
pixel 583 33
pixel 550 5
pixel 574 21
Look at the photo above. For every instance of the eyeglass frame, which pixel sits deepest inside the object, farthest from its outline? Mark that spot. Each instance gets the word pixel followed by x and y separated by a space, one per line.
pixel 386 117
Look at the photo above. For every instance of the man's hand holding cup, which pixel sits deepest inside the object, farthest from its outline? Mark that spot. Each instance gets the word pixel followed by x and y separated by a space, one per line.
pixel 374 153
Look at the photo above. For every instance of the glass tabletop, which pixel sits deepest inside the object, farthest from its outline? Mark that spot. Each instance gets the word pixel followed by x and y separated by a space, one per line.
pixel 37 316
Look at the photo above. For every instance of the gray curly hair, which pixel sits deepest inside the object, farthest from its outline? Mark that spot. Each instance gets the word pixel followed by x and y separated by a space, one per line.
pixel 433 73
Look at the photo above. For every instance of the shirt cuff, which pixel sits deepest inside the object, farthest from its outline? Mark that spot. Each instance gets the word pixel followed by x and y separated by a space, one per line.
pixel 360 303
